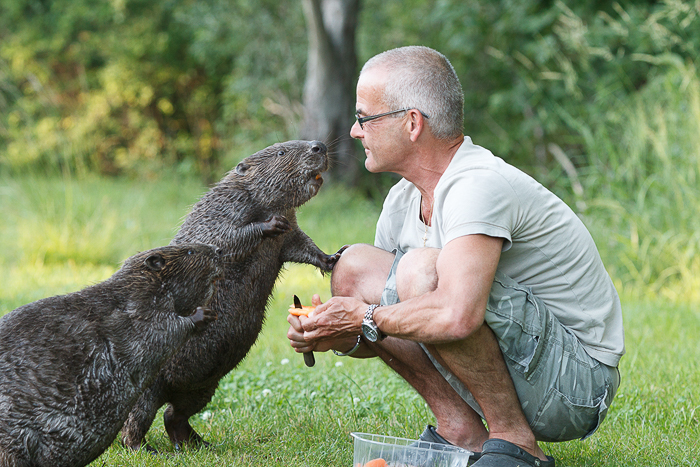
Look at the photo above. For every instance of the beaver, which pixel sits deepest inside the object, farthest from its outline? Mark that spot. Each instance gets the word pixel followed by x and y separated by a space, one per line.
pixel 251 209
pixel 72 366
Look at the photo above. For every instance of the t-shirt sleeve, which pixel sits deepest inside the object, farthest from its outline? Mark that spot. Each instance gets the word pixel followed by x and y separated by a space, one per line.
pixel 483 202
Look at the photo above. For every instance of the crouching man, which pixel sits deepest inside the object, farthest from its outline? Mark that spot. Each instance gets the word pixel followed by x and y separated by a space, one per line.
pixel 483 289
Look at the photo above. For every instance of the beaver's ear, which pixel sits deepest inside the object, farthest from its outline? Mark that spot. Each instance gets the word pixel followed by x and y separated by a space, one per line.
pixel 155 262
pixel 242 168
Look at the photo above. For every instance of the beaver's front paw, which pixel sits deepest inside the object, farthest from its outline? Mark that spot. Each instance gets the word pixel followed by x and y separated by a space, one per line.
pixel 276 225
pixel 328 261
pixel 202 317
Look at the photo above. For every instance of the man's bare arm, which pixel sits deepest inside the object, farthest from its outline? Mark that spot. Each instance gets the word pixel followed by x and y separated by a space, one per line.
pixel 465 269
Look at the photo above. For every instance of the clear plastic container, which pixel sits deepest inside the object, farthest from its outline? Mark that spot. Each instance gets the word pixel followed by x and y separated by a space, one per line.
pixel 402 452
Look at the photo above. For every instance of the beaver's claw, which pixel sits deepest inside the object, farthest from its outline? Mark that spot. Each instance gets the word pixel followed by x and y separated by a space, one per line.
pixel 274 226
pixel 202 317
pixel 330 260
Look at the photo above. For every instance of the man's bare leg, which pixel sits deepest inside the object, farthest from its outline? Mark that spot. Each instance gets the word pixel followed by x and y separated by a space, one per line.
pixel 361 273
pixel 476 361
pixel 457 422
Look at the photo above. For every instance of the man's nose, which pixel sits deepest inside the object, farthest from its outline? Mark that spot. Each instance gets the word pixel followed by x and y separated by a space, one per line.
pixel 356 131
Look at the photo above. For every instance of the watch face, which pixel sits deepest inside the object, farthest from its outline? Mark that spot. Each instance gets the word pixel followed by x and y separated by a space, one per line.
pixel 370 332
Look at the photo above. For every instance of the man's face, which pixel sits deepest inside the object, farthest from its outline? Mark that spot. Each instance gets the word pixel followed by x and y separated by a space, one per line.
pixel 382 138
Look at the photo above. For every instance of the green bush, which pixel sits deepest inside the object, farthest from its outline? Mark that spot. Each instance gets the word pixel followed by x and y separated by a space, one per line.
pixel 130 87
pixel 532 70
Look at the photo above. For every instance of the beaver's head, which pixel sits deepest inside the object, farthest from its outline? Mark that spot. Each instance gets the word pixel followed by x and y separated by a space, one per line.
pixel 284 175
pixel 179 276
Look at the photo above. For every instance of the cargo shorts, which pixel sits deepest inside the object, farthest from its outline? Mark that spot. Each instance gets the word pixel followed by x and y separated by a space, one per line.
pixel 564 393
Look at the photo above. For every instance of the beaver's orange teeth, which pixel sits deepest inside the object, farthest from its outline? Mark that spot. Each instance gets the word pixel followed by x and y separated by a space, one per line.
pixel 318 176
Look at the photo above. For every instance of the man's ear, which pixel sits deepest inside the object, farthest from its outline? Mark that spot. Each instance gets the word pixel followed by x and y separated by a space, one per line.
pixel 416 124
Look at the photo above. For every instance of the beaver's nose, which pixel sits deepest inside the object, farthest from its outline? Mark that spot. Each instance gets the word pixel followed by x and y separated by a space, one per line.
pixel 318 147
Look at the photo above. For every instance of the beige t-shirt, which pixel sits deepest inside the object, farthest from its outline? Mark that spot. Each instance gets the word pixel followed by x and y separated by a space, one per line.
pixel 546 246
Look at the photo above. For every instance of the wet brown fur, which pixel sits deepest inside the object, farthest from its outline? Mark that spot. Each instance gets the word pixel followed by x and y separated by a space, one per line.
pixel 72 366
pixel 251 209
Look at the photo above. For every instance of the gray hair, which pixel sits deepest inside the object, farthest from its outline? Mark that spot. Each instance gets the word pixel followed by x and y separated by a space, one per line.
pixel 422 78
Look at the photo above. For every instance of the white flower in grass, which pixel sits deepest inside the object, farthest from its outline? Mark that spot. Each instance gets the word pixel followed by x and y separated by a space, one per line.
pixel 284 361
pixel 266 392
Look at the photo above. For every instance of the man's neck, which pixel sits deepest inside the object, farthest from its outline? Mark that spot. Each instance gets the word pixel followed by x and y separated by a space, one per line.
pixel 432 161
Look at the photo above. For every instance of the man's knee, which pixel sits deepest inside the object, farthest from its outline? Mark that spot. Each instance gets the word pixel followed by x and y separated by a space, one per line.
pixel 416 273
pixel 347 269
pixel 361 272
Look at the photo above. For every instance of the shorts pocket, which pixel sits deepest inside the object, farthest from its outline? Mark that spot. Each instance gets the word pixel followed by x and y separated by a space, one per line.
pixel 518 320
pixel 563 418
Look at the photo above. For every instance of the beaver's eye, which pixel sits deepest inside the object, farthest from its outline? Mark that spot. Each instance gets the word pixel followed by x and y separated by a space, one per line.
pixel 190 252
pixel 281 153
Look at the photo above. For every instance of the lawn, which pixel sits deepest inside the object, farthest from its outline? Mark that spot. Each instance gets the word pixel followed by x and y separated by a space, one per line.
pixel 59 235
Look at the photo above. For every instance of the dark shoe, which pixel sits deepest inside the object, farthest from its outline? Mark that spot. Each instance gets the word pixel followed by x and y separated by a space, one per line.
pixel 431 435
pixel 501 453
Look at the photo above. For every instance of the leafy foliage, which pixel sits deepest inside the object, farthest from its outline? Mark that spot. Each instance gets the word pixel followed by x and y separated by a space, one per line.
pixel 597 100
pixel 130 86
pixel 532 70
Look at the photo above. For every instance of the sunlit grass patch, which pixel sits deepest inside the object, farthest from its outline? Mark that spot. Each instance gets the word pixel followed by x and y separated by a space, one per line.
pixel 27 282
pixel 93 220
pixel 60 234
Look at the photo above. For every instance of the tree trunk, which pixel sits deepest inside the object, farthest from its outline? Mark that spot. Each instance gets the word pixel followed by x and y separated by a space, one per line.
pixel 329 91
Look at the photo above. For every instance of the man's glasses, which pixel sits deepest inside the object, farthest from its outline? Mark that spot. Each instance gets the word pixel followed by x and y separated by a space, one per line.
pixel 363 120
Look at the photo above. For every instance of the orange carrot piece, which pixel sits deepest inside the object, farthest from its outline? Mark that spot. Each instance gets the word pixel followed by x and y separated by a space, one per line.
pixel 376 463
pixel 303 311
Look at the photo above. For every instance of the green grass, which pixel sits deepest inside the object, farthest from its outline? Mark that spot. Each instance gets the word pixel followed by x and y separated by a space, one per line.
pixel 59 235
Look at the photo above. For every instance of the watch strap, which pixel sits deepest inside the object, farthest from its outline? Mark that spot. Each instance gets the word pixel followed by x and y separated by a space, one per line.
pixel 369 314
pixel 351 351
pixel 369 321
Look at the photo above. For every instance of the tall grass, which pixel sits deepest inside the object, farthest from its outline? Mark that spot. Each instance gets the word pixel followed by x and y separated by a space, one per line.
pixel 641 187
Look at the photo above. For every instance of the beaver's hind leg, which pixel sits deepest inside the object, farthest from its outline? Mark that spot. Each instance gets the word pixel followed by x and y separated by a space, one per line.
pixel 141 417
pixel 177 415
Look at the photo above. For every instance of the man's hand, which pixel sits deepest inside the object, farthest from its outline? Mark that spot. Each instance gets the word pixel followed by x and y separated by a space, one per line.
pixel 322 331
pixel 337 318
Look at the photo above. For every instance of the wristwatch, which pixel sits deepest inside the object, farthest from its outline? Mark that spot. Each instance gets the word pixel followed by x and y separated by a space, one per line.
pixel 369 327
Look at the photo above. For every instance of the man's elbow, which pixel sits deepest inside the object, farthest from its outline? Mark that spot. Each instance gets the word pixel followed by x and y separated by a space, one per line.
pixel 463 324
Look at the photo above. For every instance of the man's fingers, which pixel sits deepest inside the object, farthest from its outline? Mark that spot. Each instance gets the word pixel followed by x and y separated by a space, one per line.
pixel 296 340
pixel 301 347
pixel 295 322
